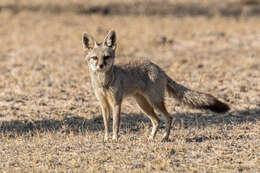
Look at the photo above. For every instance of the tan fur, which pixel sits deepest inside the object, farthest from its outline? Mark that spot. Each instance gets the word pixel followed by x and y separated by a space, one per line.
pixel 143 80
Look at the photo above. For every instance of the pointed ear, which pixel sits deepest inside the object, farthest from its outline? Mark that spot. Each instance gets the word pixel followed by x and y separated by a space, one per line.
pixel 110 40
pixel 88 41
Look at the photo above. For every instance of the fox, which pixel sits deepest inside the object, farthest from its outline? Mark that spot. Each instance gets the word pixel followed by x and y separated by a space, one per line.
pixel 143 80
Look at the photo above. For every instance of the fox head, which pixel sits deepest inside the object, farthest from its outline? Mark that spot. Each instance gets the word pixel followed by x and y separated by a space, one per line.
pixel 100 56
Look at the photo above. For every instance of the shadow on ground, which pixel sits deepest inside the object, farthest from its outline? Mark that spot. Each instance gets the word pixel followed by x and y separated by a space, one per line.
pixel 142 8
pixel 132 122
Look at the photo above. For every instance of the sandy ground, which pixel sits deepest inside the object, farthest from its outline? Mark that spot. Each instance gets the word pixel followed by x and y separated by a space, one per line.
pixel 50 120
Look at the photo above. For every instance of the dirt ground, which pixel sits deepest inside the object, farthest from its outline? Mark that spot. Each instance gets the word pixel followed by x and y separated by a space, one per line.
pixel 50 120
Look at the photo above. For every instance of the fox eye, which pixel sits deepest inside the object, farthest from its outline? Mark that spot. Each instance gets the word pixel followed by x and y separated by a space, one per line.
pixel 94 58
pixel 106 57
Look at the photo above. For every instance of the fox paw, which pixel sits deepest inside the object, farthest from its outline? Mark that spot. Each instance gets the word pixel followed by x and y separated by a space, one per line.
pixel 106 139
pixel 115 138
pixel 165 139
pixel 150 138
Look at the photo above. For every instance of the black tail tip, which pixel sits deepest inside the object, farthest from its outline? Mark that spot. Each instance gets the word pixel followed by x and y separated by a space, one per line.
pixel 218 107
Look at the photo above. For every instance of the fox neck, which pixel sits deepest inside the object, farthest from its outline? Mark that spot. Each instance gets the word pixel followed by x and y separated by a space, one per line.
pixel 102 79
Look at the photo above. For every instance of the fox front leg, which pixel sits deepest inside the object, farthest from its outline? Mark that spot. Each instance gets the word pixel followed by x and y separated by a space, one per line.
pixel 116 120
pixel 106 115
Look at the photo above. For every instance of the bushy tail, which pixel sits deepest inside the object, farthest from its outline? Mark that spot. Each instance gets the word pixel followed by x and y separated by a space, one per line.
pixel 195 99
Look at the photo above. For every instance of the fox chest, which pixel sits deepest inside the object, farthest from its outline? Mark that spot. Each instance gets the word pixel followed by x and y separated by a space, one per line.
pixel 108 95
pixel 111 94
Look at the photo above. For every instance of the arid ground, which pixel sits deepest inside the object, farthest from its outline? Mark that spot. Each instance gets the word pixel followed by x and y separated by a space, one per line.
pixel 50 120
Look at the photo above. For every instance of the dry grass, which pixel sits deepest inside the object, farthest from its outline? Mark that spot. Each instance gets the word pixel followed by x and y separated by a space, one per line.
pixel 50 120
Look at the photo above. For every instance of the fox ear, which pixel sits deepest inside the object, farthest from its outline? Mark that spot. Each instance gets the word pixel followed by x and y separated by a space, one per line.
pixel 88 41
pixel 110 40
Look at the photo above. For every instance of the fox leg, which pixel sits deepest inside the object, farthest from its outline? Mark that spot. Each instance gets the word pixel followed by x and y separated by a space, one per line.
pixel 167 118
pixel 106 115
pixel 116 109
pixel 149 111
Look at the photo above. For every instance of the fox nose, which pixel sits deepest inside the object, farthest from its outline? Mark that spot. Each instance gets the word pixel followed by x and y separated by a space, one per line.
pixel 101 66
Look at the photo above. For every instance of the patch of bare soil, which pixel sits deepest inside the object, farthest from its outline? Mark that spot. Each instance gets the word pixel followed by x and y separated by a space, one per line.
pixel 50 120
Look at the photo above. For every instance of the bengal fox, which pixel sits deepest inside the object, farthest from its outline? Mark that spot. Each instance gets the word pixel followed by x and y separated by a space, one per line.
pixel 143 80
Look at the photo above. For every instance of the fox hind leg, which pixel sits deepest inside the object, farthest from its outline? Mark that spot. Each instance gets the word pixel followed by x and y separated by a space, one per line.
pixel 160 107
pixel 155 96
pixel 149 111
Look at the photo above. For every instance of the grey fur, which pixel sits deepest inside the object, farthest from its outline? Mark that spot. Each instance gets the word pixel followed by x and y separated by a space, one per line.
pixel 143 80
